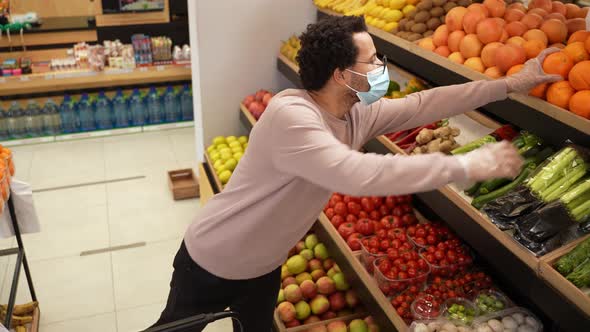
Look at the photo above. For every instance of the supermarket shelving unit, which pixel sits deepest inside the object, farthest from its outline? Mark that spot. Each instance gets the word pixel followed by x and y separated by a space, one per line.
pixel 521 277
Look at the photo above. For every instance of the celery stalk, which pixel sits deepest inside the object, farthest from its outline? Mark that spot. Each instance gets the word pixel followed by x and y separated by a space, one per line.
pixel 552 171
pixel 556 190
pixel 573 194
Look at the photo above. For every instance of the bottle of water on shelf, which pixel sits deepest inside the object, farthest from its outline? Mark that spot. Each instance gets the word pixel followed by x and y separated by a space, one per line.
pixel 120 112
pixel 137 109
pixel 69 116
pixel 186 103
pixel 3 125
pixel 33 120
pixel 86 114
pixel 103 112
pixel 154 106
pixel 51 118
pixel 171 105
pixel 16 121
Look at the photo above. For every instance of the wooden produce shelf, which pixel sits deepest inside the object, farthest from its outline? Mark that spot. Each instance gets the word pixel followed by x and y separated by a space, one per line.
pixel 247 118
pixel 546 120
pixel 57 81
pixel 205 187
pixel 214 176
pixel 556 280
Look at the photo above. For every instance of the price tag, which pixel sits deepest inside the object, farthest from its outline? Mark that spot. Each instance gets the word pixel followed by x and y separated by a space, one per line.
pixel 24 78
pixel 160 68
pixel 143 69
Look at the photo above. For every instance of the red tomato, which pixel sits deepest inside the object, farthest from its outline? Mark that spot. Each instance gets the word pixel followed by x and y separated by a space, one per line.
pixel 408 198
pixel 409 219
pixel 412 264
pixel 384 266
pixel 441 246
pixel 439 254
pixel 351 218
pixel 392 253
pixel 381 234
pixel 346 199
pixel 374 243
pixel 354 241
pixel 375 215
pixel 337 220
pixel 387 222
pixel 363 214
pixel 377 201
pixel 340 208
pixel 397 211
pixel 412 231
pixel 365 227
pixel 384 245
pixel 402 275
pixel 346 229
pixel 330 213
pixel 353 208
pixel 390 202
pixel 407 256
pixel 400 199
pixel 422 265
pixel 431 250
pixel 397 222
pixel 384 210
pixel 430 258
pixel 407 209
pixel 396 244
pixel 367 204
pixel 412 273
pixel 430 239
pixel 420 232
pixel 377 225
pixel 336 198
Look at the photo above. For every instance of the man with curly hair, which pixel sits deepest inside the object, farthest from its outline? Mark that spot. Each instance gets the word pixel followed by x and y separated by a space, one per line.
pixel 305 147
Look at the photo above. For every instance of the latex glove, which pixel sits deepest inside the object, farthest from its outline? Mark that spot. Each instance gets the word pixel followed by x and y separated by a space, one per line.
pixel 492 161
pixel 532 74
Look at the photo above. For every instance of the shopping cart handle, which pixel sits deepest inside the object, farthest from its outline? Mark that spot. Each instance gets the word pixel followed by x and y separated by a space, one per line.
pixel 193 321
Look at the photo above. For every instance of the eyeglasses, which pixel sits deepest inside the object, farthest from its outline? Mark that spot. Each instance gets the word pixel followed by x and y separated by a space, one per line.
pixel 383 62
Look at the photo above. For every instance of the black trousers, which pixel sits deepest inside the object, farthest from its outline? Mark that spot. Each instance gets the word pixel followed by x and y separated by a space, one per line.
pixel 193 291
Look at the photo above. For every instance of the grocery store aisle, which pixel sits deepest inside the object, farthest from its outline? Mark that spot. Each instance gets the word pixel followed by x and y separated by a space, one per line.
pixel 129 204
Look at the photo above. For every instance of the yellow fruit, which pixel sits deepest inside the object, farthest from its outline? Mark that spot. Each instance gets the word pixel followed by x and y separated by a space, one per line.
pixel 380 24
pixel 245 145
pixel 220 168
pixel 224 176
pixel 243 139
pixel 218 140
pixel 211 149
pixel 230 139
pixel 222 146
pixel 397 4
pixel 234 143
pixel 379 2
pixel 231 164
pixel 238 155
pixel 412 2
pixel 218 164
pixel 395 16
pixel 369 20
pixel 408 8
pixel 390 26
pixel 226 155
pixel 215 156
pixel 237 149
pixel 369 6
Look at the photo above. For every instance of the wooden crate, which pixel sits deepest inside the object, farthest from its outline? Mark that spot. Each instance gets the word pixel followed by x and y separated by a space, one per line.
pixel 559 282
pixel 183 184
pixel 280 327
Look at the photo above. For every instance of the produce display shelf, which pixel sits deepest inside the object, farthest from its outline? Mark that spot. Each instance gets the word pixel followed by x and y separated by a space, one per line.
pixel 205 187
pixel 78 80
pixel 216 180
pixel 580 297
pixel 247 118
pixel 498 249
pixel 280 327
pixel 546 120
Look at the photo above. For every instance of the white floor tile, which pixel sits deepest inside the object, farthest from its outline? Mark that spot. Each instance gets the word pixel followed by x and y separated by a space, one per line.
pixel 98 323
pixel 142 275
pixel 66 200
pixel 23 158
pixel 68 288
pixel 224 325
pixel 183 142
pixel 140 318
pixel 68 234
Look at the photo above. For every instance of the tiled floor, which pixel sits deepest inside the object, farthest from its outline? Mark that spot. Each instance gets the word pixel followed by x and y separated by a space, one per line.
pixel 119 291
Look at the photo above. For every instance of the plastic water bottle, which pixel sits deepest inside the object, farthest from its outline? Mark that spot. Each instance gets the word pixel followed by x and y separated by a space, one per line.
pixel 186 104
pixel 120 112
pixel 154 107
pixel 3 125
pixel 137 109
pixel 103 112
pixel 15 121
pixel 33 120
pixel 171 107
pixel 86 114
pixel 51 118
pixel 69 117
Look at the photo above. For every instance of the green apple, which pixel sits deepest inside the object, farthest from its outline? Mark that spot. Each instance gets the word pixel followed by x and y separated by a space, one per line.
pixel 307 254
pixel 238 155
pixel 321 252
pixel 340 281
pixel 302 310
pixel 224 176
pixel 358 325
pixel 234 143
pixel 230 139
pixel 296 264
pixel 243 139
pixel 311 241
pixel 219 140
pixel 231 164
pixel 332 272
pixel 301 277
pixel 281 297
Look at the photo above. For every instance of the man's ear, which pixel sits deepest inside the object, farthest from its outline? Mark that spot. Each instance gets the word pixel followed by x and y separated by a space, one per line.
pixel 340 76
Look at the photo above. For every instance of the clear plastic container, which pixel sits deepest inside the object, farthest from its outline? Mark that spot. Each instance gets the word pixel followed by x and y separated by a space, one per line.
pixel 489 301
pixel 393 287
pixel 417 245
pixel 438 325
pixel 460 310
pixel 515 318
pixel 449 270
pixel 367 258
pixel 426 307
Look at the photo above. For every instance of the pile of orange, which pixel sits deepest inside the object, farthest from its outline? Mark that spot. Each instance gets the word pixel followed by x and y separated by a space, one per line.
pixel 6 173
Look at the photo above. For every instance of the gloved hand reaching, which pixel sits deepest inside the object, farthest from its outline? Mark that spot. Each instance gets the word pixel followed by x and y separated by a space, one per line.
pixel 532 74
pixel 492 161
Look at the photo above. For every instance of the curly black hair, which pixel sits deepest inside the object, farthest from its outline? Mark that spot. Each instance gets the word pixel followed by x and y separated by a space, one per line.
pixel 325 46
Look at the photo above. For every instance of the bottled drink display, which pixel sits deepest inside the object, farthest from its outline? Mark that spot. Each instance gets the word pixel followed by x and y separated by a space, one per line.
pixel 102 113
pixel 154 106
pixel 120 112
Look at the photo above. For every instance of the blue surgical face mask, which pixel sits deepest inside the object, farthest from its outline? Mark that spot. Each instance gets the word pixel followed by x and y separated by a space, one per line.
pixel 378 82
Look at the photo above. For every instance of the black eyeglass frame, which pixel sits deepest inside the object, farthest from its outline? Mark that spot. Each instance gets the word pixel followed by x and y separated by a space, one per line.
pixel 384 60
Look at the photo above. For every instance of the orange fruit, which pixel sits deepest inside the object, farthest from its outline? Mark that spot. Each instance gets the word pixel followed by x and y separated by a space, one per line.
pixel 558 63
pixel 580 103
pixel 576 51
pixel 578 36
pixel 579 76
pixel 539 91
pixel 533 47
pixel 559 94
pixel 587 44
pixel 514 70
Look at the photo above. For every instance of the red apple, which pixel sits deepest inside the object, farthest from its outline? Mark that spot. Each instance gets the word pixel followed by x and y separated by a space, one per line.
pixel 266 99
pixel 337 326
pixel 260 94
pixel 292 323
pixel 309 289
pixel 300 246
pixel 312 319
pixel 351 298
pixel 317 274
pixel 286 311
pixel 329 315
pixel 319 305
pixel 289 281
pixel 328 263
pixel 337 301
pixel 314 264
pixel 293 293
pixel 248 100
pixel 326 286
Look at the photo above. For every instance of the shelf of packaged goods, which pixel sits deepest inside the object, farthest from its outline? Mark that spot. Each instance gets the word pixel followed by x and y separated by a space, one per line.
pixel 580 297
pixel 214 176
pixel 536 115
pixel 79 80
pixel 246 117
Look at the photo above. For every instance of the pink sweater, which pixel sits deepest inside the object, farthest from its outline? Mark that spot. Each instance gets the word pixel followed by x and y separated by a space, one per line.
pixel 298 155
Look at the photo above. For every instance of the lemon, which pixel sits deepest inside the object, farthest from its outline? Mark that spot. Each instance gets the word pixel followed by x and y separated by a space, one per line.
pixel 397 4
pixel 224 176
pixel 394 15
pixel 230 139
pixel 385 3
pixel 211 149
pixel 390 26
pixel 238 155
pixel 222 146
pixel 380 24
pixel 234 143
pixel 218 140
pixel 226 155
pixel 220 168
pixel 408 9
pixel 218 163
pixel 237 149
pixel 223 150
pixel 243 139
pixel 231 164
pixel 245 145
pixel 215 155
